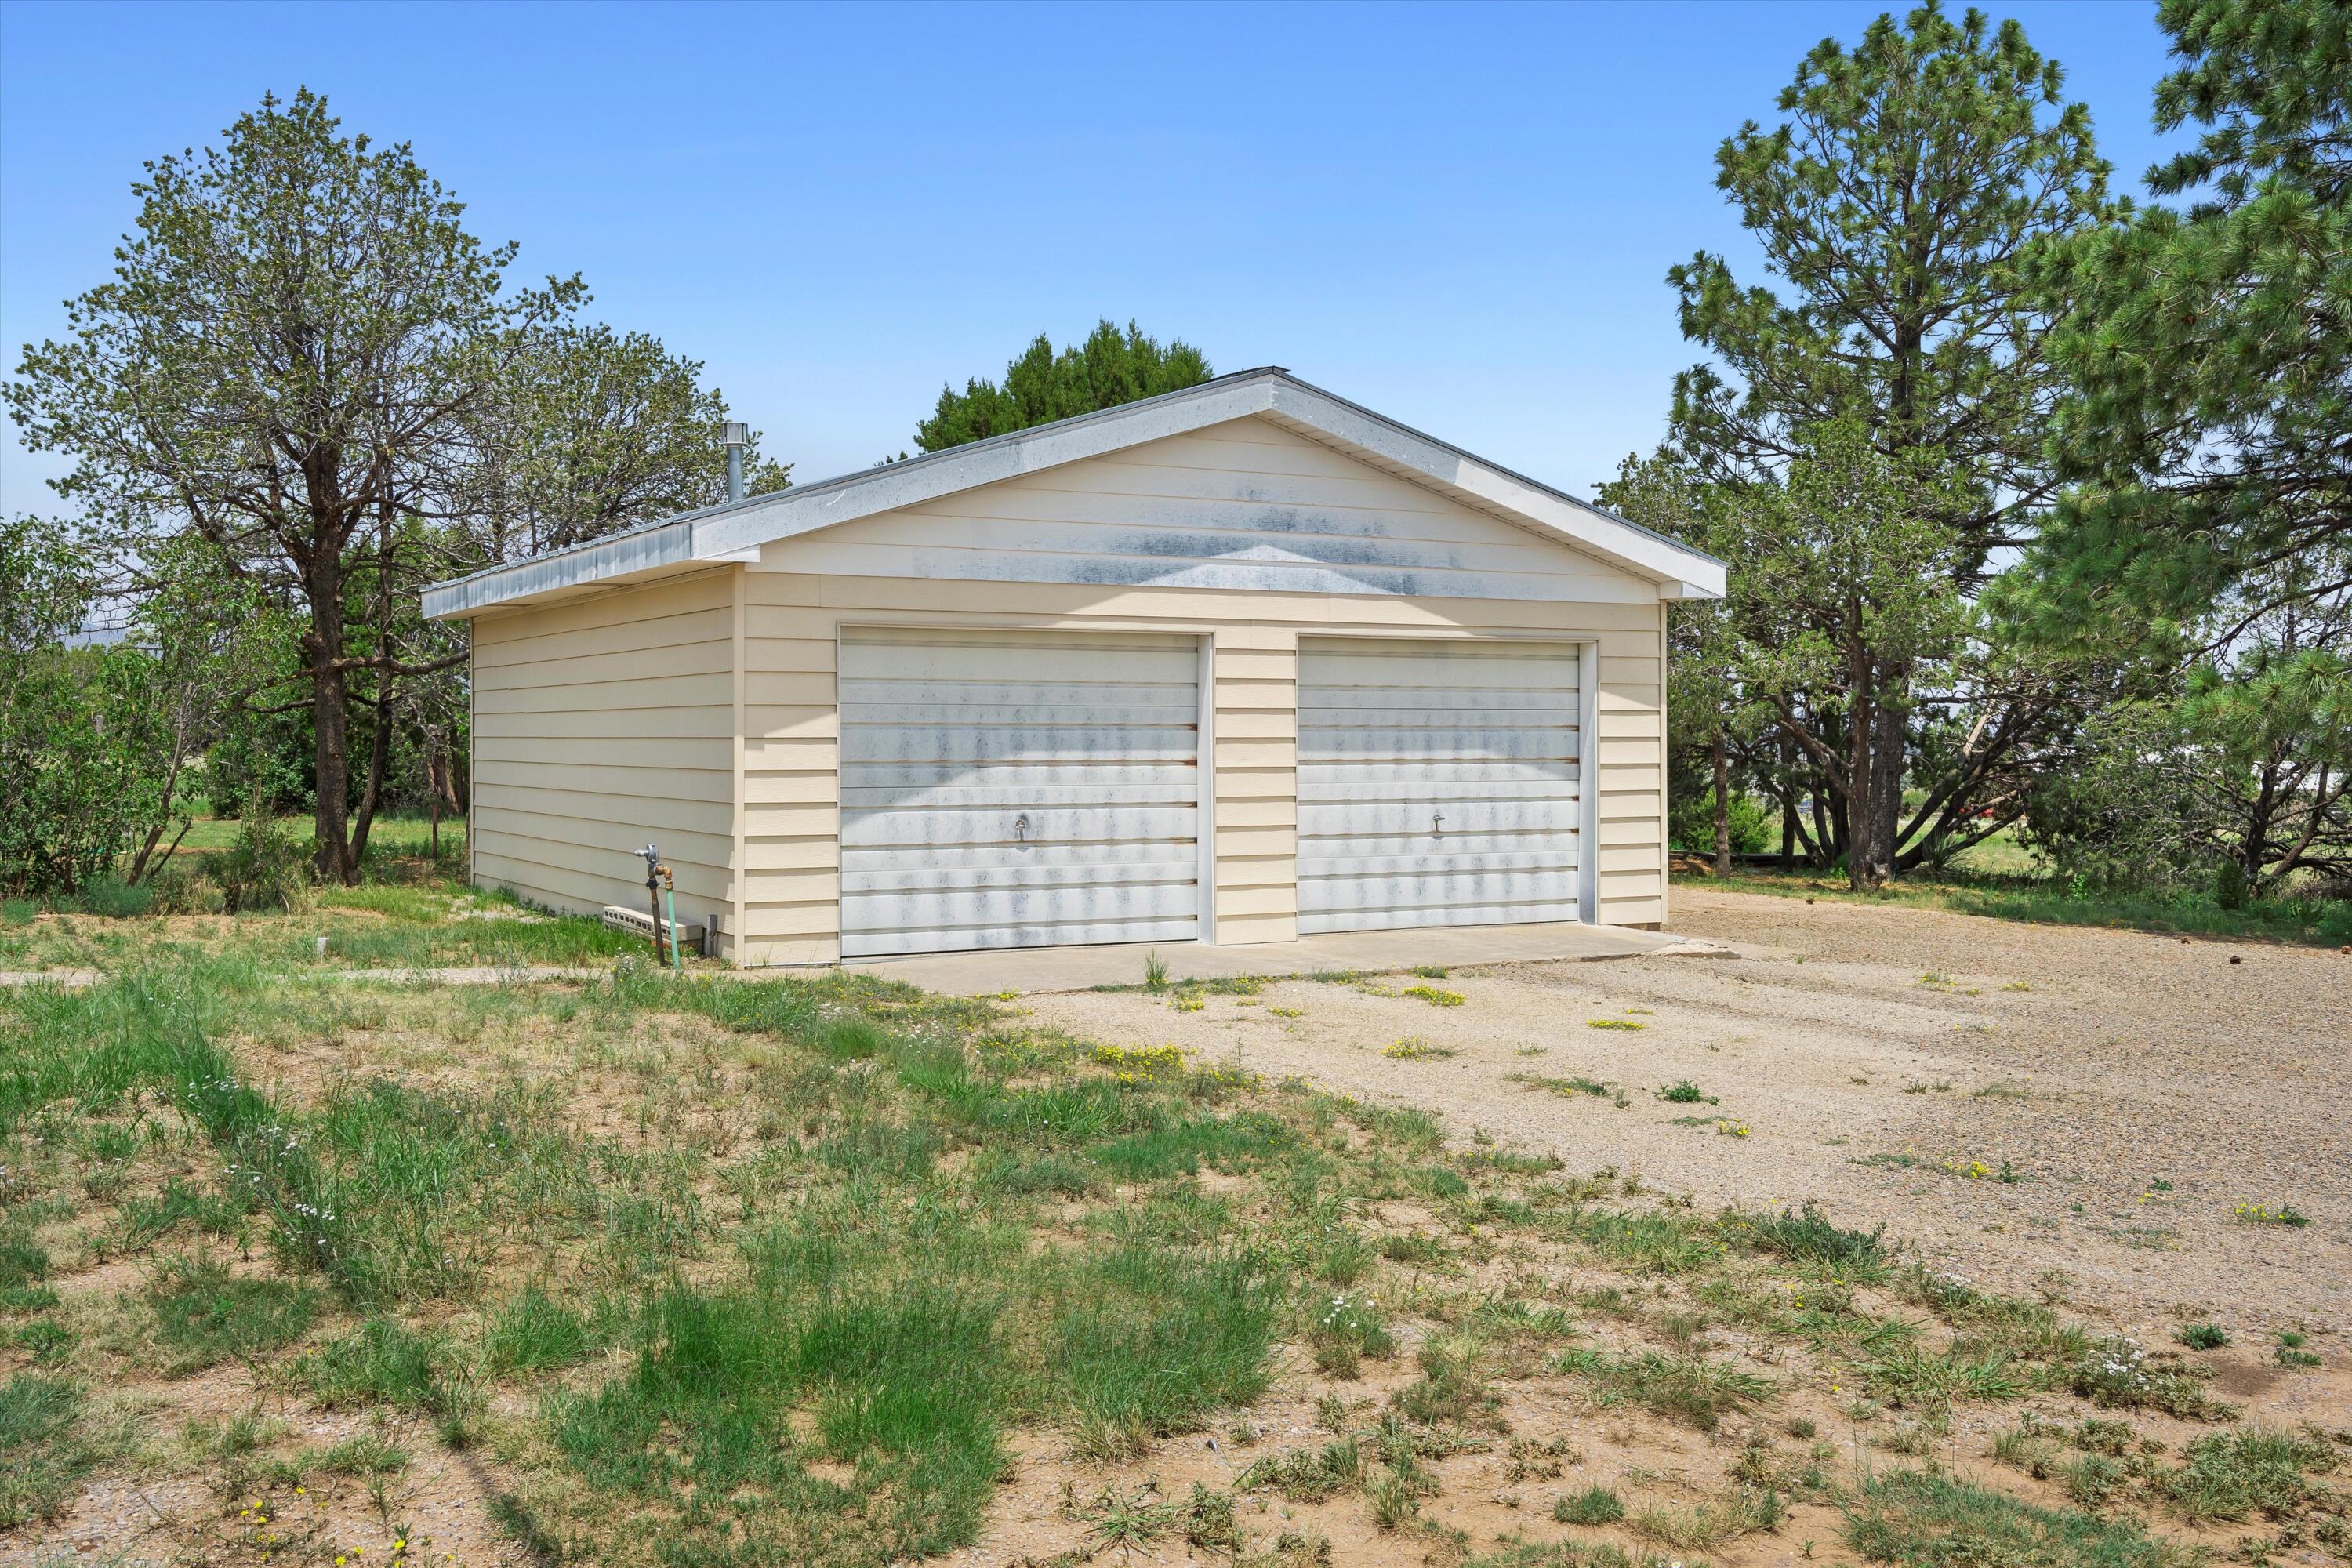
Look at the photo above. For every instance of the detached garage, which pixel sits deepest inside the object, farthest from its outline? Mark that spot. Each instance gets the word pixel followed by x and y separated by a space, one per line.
pixel 1233 665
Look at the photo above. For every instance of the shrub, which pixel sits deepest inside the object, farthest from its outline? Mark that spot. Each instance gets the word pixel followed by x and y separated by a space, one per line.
pixel 1691 823
pixel 263 869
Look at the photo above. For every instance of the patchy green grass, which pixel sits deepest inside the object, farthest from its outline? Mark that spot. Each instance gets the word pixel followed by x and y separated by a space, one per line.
pixel 1594 1505
pixel 413 911
pixel 205 1314
pixel 718 1272
pixel 1695 1392
pixel 1807 1236
pixel 1922 1520
pixel 47 1447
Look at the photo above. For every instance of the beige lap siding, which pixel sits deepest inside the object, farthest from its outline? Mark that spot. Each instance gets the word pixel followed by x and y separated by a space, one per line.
pixel 1255 779
pixel 599 724
pixel 791 757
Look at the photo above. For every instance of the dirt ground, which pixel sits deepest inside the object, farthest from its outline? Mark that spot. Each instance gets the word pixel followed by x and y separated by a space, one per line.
pixel 2139 1090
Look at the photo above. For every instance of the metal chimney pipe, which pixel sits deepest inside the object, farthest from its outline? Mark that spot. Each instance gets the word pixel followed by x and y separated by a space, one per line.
pixel 737 435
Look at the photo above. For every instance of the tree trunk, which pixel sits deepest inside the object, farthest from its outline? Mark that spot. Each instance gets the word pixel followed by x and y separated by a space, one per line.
pixel 379 760
pixel 1887 746
pixel 329 715
pixel 162 820
pixel 1722 806
pixel 2253 845
pixel 380 743
pixel 1860 785
pixel 1788 807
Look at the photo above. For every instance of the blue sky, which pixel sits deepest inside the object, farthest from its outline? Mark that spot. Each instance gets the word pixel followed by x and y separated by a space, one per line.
pixel 1460 215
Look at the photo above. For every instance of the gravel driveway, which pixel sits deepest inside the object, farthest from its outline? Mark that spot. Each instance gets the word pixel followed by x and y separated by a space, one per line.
pixel 2081 1112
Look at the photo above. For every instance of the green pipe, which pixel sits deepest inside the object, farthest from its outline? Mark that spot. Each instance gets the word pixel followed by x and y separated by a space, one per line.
pixel 677 957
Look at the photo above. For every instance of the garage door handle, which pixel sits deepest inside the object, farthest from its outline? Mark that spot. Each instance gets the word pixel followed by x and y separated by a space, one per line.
pixel 1021 828
pixel 1437 823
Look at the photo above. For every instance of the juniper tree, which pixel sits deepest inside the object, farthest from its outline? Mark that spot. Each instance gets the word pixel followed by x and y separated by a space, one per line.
pixel 1110 368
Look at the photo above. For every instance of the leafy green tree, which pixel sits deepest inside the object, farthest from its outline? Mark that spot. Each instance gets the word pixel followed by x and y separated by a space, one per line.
pixel 284 364
pixel 1110 368
pixel 1894 203
pixel 2275 724
pixel 2242 777
pixel 1847 573
pixel 210 641
pixel 1834 565
pixel 57 825
pixel 74 731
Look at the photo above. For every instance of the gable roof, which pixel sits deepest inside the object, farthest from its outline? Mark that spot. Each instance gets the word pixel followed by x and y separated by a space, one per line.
pixel 735 530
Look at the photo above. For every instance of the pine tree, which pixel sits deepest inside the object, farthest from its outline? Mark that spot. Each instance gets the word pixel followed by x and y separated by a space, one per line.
pixel 1894 203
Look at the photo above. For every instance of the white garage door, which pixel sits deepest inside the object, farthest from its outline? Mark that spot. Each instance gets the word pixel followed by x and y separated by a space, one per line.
pixel 1437 784
pixel 1030 789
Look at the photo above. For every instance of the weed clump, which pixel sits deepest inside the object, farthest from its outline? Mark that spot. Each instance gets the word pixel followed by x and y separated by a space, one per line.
pixel 1308 1476
pixel 1349 1329
pixel 1454 1385
pixel 1696 1392
pixel 1594 1505
pixel 2116 1374
pixel 2235 1476
pixel 1807 1236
